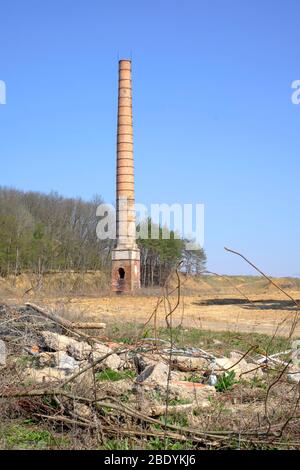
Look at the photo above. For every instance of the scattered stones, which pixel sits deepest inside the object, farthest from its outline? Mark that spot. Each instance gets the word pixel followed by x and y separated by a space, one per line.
pixel 80 350
pixel 188 363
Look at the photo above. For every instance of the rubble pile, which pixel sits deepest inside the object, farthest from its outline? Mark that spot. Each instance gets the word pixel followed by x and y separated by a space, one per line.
pixel 146 378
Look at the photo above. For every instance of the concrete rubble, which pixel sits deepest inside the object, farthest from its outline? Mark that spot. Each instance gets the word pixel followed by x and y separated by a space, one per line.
pixel 294 377
pixel 186 363
pixel 81 350
pixel 157 377
pixel 3 353
pixel 295 354
pixel 243 369
pixel 45 375
pixel 59 359
pixel 193 392
pixel 141 375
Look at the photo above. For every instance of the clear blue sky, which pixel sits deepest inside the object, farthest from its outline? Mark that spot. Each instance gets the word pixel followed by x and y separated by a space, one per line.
pixel 214 122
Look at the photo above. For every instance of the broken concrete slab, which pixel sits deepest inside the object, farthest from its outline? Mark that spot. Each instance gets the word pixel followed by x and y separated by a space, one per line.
pixel 3 353
pixel 142 361
pixel 189 363
pixel 59 359
pixel 113 361
pixel 66 362
pixel 294 377
pixel 295 354
pixel 294 374
pixel 55 341
pixel 45 375
pixel 192 391
pixel 239 365
pixel 80 350
pixel 155 374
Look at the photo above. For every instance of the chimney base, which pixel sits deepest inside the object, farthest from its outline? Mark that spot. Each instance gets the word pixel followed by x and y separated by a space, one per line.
pixel 125 273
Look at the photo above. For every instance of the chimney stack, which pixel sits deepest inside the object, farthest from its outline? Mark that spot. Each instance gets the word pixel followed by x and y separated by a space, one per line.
pixel 126 254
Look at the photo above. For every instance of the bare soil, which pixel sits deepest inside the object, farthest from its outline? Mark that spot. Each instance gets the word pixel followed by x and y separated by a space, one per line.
pixel 208 303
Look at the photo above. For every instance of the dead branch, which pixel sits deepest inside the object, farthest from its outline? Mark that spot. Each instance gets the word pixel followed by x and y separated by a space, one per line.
pixel 66 323
pixel 264 275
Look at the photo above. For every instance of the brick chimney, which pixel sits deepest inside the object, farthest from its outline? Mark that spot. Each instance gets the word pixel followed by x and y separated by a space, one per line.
pixel 126 254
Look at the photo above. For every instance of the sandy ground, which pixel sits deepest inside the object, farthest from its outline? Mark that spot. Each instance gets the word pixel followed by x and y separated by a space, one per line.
pixel 210 303
pixel 264 315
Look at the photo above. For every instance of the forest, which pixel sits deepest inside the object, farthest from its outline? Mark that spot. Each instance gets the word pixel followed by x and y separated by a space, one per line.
pixel 43 233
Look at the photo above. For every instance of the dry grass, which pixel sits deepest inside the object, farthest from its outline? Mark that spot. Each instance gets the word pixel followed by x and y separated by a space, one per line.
pixel 211 315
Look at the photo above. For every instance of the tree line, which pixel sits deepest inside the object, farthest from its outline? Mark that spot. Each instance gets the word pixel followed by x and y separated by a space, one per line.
pixel 48 232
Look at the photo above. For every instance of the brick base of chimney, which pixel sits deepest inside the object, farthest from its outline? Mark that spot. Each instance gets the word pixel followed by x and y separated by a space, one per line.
pixel 125 271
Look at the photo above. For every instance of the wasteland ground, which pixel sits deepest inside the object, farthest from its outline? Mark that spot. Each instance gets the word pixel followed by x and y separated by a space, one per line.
pixel 218 315
pixel 235 303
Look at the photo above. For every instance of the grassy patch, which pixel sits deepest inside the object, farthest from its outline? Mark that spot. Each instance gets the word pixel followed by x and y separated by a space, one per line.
pixel 226 381
pixel 178 419
pixel 156 443
pixel 19 436
pixel 113 375
pixel 25 361
pixel 194 337
pixel 117 444
pixel 257 382
pixel 126 332
pixel 179 401
pixel 193 378
pixel 168 444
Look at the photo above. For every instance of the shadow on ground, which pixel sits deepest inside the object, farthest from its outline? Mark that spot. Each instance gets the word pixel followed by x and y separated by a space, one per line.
pixel 268 304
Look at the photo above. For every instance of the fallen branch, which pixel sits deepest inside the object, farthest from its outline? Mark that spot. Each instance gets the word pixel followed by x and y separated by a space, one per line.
pixel 88 325
pixel 121 430
pixel 66 323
